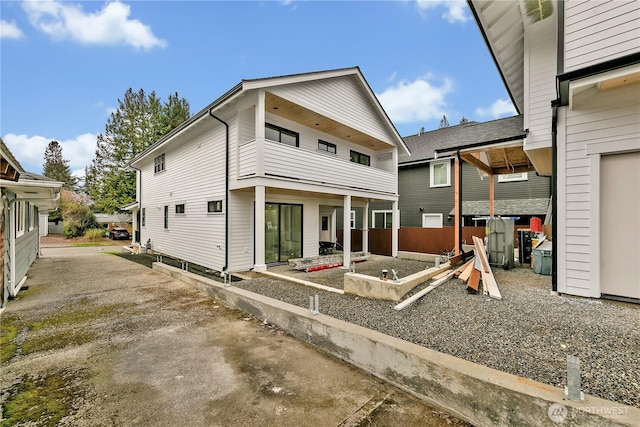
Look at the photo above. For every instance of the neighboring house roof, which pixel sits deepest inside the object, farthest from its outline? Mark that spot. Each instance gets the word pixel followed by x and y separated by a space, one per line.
pixel 264 83
pixel 509 207
pixel 11 168
pixel 104 218
pixel 423 146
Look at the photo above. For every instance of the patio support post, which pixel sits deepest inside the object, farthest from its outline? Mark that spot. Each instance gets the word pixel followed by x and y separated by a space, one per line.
pixel 260 265
pixel 260 115
pixel 346 235
pixel 492 191
pixel 457 204
pixel 395 217
pixel 365 229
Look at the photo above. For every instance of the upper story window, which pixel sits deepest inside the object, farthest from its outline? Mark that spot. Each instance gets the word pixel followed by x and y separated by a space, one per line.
pixel 278 134
pixel 363 159
pixel 327 146
pixel 158 163
pixel 440 174
pixel 522 176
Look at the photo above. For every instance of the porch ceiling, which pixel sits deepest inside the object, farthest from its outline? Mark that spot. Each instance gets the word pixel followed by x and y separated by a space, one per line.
pixel 299 114
pixel 499 160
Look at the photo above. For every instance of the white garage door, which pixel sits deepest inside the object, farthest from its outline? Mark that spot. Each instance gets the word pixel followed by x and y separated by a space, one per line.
pixel 620 225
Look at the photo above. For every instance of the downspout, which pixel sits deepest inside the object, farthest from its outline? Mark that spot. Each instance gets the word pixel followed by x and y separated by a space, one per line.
pixel 226 193
pixel 460 219
pixel 554 193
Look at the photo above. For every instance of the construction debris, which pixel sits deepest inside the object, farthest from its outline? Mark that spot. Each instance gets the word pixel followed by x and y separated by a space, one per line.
pixel 423 292
pixel 488 281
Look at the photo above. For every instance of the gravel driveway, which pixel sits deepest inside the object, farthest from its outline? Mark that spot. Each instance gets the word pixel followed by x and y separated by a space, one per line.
pixel 529 333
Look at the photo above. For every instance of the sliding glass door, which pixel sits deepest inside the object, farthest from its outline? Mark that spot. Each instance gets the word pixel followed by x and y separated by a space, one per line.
pixel 282 232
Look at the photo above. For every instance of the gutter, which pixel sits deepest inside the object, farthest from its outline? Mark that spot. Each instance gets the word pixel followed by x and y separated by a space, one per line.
pixel 226 194
pixel 482 144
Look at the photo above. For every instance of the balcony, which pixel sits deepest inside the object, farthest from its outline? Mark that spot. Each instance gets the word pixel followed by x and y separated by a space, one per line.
pixel 310 166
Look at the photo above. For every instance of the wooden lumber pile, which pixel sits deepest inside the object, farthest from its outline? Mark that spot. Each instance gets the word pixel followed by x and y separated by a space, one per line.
pixel 481 270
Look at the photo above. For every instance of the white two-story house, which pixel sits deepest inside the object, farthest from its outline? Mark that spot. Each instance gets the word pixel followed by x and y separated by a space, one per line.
pixel 573 69
pixel 256 177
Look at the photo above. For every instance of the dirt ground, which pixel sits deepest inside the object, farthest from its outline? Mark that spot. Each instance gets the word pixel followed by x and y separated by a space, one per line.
pixel 98 340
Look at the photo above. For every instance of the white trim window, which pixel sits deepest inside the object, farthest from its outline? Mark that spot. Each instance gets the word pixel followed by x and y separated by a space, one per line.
pixel 214 206
pixel 432 220
pixel 20 218
pixel 440 174
pixel 352 219
pixel 382 219
pixel 522 176
pixel 181 208
pixel 158 163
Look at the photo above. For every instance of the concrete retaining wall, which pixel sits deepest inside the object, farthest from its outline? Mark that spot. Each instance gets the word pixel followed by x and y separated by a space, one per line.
pixel 480 395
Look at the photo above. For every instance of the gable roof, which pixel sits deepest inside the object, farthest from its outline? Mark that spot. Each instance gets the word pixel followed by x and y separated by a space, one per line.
pixel 426 145
pixel 505 207
pixel 268 82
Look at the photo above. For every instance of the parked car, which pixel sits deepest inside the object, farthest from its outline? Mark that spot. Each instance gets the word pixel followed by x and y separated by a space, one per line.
pixel 119 233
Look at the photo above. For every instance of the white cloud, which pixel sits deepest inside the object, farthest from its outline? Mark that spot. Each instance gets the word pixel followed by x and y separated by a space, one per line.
pixel 455 9
pixel 416 101
pixel 110 26
pixel 29 151
pixel 9 30
pixel 500 108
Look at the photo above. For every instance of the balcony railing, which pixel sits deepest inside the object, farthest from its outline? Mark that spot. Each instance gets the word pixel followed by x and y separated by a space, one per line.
pixel 282 160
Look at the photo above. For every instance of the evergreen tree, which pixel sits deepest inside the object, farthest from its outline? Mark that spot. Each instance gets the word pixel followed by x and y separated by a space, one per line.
pixel 139 121
pixel 56 167
pixel 444 123
pixel 464 120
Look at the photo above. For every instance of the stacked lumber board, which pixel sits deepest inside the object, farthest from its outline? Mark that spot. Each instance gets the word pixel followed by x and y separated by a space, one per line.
pixel 489 285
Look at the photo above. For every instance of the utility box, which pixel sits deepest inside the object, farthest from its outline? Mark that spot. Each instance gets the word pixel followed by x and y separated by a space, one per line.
pixel 543 258
pixel 500 248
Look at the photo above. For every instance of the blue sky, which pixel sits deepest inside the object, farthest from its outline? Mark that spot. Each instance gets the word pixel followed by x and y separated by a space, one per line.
pixel 64 65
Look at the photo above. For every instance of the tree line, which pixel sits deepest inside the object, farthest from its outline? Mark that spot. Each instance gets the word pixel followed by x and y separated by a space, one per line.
pixel 140 120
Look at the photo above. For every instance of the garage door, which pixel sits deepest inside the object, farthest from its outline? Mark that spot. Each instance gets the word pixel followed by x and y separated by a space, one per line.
pixel 620 225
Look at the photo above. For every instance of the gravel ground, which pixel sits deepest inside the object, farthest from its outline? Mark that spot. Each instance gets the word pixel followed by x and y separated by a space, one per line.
pixel 529 333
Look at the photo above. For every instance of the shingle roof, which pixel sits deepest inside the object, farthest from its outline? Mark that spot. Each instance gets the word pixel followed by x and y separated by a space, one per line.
pixel 510 207
pixel 423 146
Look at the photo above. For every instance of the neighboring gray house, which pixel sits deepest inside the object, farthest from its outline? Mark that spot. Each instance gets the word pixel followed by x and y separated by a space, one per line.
pixel 25 196
pixel 425 179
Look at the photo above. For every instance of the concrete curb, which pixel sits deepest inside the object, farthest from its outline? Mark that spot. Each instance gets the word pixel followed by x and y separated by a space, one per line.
pixel 480 395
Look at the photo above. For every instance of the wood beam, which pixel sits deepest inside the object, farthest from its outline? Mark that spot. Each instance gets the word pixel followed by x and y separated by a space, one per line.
pixel 456 205
pixel 492 192
pixel 477 163
pixel 515 169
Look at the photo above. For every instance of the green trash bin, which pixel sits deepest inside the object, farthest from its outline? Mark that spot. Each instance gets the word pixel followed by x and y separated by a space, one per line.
pixel 542 259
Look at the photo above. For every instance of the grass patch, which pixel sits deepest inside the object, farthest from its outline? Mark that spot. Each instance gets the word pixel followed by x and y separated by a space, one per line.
pixel 8 332
pixel 96 243
pixel 41 401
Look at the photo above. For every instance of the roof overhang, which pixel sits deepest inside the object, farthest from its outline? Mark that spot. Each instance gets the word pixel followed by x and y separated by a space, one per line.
pixel 43 194
pixel 130 206
pixel 494 158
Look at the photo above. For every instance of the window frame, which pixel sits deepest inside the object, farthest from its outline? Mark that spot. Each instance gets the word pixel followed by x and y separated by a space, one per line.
pixel 432 215
pixel 326 147
pixel 19 218
pixel 182 206
pixel 166 217
pixel 280 131
pixel 385 212
pixel 352 219
pixel 360 156
pixel 524 176
pixel 217 210
pixel 432 165
pixel 159 164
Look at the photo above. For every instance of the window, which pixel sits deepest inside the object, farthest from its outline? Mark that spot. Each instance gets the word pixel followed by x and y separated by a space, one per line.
pixel 440 174
pixel 20 217
pixel 522 176
pixel 432 220
pixel 325 223
pixel 363 159
pixel 278 134
pixel 382 219
pixel 180 208
pixel 143 216
pixel 28 213
pixel 214 206
pixel 352 219
pixel 327 146
pixel 158 163
pixel 166 217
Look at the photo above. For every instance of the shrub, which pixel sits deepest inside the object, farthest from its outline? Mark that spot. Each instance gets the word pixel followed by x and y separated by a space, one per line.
pixel 94 234
pixel 77 218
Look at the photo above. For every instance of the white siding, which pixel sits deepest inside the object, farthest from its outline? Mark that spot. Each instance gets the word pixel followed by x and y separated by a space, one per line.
pixel 609 117
pixel 195 172
pixel 598 31
pixel 540 90
pixel 241 253
pixel 341 99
